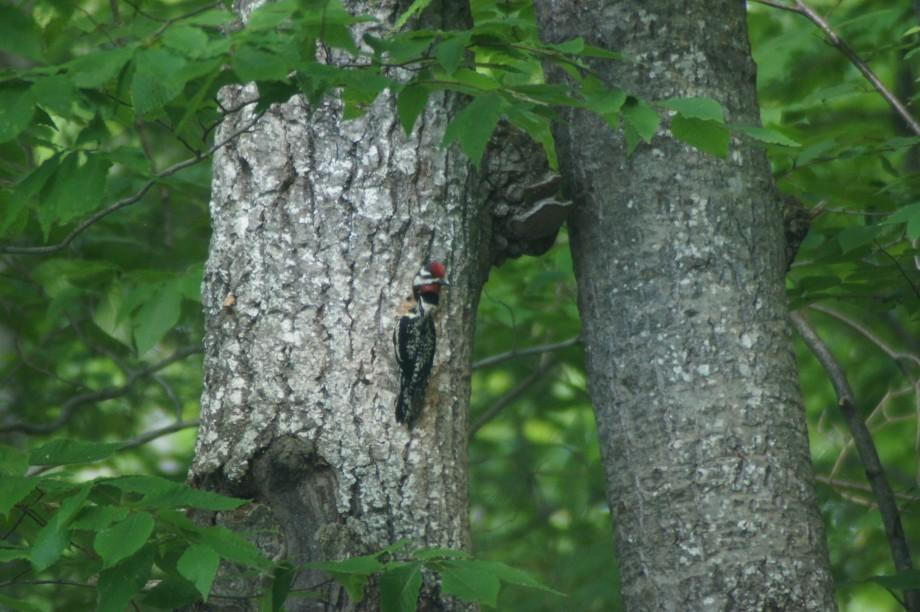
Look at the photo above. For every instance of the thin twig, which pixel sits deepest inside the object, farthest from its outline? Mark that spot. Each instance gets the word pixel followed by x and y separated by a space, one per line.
pixel 511 396
pixel 534 350
pixel 897 356
pixel 868 454
pixel 858 486
pixel 900 269
pixel 71 405
pixel 166 430
pixel 63 244
pixel 780 5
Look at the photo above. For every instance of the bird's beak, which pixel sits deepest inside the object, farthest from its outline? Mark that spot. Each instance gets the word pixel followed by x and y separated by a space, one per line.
pixel 443 282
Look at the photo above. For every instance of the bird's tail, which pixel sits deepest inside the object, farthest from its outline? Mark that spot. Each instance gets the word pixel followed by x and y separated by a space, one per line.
pixel 409 404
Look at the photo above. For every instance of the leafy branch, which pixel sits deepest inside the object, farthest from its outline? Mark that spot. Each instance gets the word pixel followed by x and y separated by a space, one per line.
pixel 806 11
pixel 127 201
pixel 69 408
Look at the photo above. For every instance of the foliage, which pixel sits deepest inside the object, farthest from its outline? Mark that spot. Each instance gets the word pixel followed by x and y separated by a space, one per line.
pixel 108 113
pixel 400 580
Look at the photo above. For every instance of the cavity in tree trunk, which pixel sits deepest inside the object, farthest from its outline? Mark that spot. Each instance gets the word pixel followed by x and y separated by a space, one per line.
pixel 679 260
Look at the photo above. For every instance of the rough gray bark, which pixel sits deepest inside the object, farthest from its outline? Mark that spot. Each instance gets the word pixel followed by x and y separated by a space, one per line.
pixel 680 260
pixel 319 226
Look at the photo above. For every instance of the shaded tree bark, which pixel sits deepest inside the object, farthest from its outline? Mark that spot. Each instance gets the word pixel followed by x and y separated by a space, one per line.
pixel 679 259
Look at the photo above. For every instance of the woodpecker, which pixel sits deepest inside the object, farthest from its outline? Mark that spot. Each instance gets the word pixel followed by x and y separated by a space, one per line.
pixel 414 341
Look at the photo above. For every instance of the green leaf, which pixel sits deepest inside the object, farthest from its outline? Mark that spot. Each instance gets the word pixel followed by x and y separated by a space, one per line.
pixel 572 46
pixel 173 593
pixel 119 584
pixel 16 110
pixel 351 573
pixel 99 67
pixel 253 64
pixel 28 188
pixel 60 277
pixel 234 548
pixel 707 136
pixel 56 93
pixel 74 191
pixel 107 316
pixel 123 539
pixel 157 317
pixel 473 126
pixel 600 52
pixel 427 554
pixel 409 46
pixel 451 51
pixel 13 554
pixel 814 151
pixel 642 118
pixel 48 547
pixel 469 581
pixel 64 451
pixel 512 575
pixel 699 107
pixel 909 579
pixel 400 587
pixel 852 238
pixel 156 79
pixel 410 103
pixel 13 462
pixel 603 101
pixel 909 215
pixel 416 7
pixel 189 41
pixel 271 15
pixel 96 518
pixel 199 565
pixel 162 493
pixel 18 33
pixel 470 81
pixel 767 135
pixel 364 566
pixel 537 127
pixel 548 94
pixel 54 536
pixel 14 489
pixel 17 604
pixel 282 581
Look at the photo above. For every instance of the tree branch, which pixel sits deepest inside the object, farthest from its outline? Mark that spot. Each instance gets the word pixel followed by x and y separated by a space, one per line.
pixel 71 405
pixel 124 202
pixel 512 395
pixel 897 356
pixel 534 350
pixel 868 455
pixel 806 11
pixel 858 486
pixel 153 434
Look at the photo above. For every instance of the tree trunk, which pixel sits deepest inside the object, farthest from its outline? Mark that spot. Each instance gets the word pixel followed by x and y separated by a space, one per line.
pixel 679 259
pixel 319 226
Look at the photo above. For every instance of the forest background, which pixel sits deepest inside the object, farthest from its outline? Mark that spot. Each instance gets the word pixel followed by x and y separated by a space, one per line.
pixel 104 189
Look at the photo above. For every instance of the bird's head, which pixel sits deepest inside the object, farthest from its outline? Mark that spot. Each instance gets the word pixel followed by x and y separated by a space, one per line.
pixel 430 279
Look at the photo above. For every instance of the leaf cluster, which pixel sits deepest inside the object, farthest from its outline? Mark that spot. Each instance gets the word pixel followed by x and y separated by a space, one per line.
pixel 128 535
pixel 400 580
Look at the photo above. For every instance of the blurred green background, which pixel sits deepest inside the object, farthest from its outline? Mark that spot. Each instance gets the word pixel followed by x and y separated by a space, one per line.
pixel 72 321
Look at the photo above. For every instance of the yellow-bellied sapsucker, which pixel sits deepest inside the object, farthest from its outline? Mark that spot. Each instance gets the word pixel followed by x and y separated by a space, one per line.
pixel 415 342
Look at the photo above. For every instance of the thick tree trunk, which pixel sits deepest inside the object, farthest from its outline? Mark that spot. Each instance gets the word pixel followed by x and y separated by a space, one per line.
pixel 319 226
pixel 680 261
